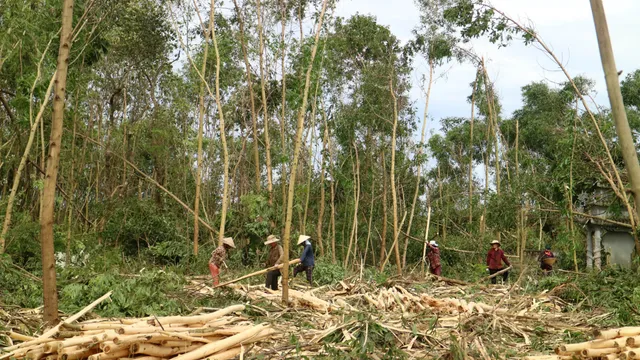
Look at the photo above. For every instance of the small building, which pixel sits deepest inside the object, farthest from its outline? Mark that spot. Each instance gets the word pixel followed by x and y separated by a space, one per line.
pixel 608 234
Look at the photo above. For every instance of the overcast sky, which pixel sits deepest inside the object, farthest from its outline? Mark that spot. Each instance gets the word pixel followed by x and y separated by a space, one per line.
pixel 565 25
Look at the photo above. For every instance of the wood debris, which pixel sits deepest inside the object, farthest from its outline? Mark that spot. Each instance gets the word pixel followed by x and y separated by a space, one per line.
pixel 420 321
pixel 622 343
pixel 217 335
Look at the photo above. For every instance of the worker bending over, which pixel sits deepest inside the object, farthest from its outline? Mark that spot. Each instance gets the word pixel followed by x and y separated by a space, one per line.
pixel 307 261
pixel 217 258
pixel 495 257
pixel 276 254
pixel 547 258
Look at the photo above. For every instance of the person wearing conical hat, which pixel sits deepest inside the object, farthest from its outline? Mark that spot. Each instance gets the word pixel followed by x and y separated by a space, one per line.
pixel 217 258
pixel 307 260
pixel 434 258
pixel 276 255
pixel 495 257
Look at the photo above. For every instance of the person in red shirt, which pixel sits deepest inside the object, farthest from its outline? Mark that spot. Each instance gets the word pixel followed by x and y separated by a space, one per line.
pixel 495 257
pixel 546 265
pixel 434 258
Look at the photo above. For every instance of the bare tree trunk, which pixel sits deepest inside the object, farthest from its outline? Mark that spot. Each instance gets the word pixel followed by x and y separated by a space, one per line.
pixel 493 118
pixel 322 178
pixel 333 218
pixel 283 180
pixel 23 162
pixel 223 136
pixel 49 290
pixel 296 155
pixel 570 190
pixel 573 239
pixel 124 138
pixel 72 188
pixel 383 236
pixel 355 236
pixel 441 201
pixel 356 195
pixel 623 130
pixel 473 107
pixel 517 145
pixel 418 175
pixel 310 162
pixel 426 240
pixel 265 113
pixel 254 115
pixel 201 111
pixel 393 177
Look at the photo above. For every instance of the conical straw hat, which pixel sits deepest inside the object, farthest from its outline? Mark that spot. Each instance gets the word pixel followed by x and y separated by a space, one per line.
pixel 229 241
pixel 303 238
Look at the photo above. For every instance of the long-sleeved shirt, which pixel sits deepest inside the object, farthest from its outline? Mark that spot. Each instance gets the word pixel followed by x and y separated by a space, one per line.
pixel 218 255
pixel 495 257
pixel 307 258
pixel 276 254
pixel 434 257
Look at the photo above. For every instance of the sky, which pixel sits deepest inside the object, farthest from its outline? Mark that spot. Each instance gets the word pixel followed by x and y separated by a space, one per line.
pixel 565 25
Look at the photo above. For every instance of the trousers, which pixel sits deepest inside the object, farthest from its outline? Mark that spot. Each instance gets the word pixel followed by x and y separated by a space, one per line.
pixel 494 280
pixel 308 269
pixel 436 270
pixel 272 279
pixel 215 273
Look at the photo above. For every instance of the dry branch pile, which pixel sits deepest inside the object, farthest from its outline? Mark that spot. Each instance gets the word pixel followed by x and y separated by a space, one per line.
pixel 622 343
pixel 218 335
pixel 486 322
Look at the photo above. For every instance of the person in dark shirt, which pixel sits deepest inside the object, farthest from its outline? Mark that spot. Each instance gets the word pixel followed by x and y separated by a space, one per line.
pixel 307 260
pixel 276 254
pixel 545 264
pixel 495 258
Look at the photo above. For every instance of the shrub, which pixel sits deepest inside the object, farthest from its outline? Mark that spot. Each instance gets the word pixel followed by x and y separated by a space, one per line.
pixel 326 273
pixel 136 225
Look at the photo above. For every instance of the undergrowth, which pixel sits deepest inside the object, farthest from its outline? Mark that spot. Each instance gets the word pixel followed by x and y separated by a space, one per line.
pixel 614 291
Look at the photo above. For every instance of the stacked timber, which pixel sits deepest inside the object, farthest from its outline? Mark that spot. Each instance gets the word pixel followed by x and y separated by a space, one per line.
pixel 218 335
pixel 622 343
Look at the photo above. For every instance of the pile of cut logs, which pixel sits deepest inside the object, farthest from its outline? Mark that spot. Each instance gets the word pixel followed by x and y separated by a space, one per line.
pixel 398 298
pixel 218 335
pixel 622 343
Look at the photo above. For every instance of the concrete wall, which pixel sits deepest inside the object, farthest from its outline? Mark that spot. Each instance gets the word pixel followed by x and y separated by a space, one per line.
pixel 619 246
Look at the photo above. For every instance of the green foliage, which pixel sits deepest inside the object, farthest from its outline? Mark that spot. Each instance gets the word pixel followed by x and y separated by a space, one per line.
pixel 368 337
pixel 138 225
pixel 152 293
pixel 371 274
pixel 171 251
pixel 613 290
pixel 17 289
pixel 325 273
pixel 630 88
pixel 23 242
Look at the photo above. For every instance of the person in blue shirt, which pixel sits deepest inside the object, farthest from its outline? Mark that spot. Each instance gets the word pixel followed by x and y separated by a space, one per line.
pixel 307 261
